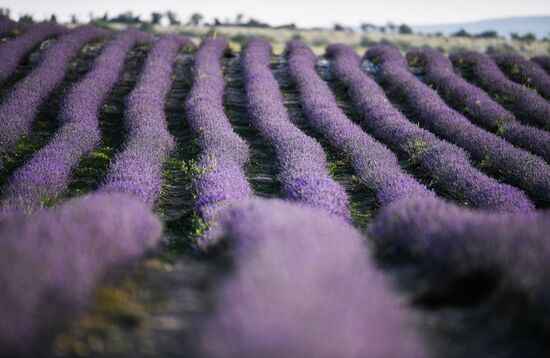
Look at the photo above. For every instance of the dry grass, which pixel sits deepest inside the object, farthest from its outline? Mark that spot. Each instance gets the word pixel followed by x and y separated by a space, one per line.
pixel 318 39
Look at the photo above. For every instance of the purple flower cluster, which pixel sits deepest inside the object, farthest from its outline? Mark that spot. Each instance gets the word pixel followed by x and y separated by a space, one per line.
pixel 301 159
pixel 13 51
pixel 524 102
pixel 20 105
pixel 454 242
pixel 8 26
pixel 138 168
pixel 517 166
pixel 477 104
pixel 374 164
pixel 304 286
pixel 543 61
pixel 50 261
pixel 447 165
pixel 223 153
pixel 526 72
pixel 47 173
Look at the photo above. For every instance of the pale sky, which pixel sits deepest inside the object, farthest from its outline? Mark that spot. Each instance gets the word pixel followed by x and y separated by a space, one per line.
pixel 304 13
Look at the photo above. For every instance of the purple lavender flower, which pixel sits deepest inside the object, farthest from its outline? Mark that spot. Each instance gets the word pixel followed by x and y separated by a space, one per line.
pixel 8 26
pixel 304 286
pixel 223 153
pixel 525 103
pixel 476 104
pixel 525 72
pixel 446 165
pixel 50 261
pixel 375 165
pixel 543 61
pixel 20 105
pixel 516 166
pixel 302 161
pixel 138 168
pixel 13 51
pixel 47 174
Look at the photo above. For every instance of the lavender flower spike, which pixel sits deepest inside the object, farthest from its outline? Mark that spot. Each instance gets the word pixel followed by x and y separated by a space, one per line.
pixel 302 161
pixel 304 287
pixel 223 153
pixel 138 168
pixel 20 105
pixel 47 173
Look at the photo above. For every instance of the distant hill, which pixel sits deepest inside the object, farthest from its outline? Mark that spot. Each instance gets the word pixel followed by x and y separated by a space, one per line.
pixel 539 25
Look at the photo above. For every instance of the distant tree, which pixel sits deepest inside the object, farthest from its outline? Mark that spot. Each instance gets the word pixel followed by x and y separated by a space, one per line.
pixel 239 19
pixel 461 33
pixel 126 18
pixel 489 34
pixel 26 19
pixel 391 26
pixel 291 26
pixel 53 19
pixel 173 18
pixel 529 37
pixel 338 27
pixel 405 29
pixel 156 17
pixel 382 29
pixel 195 19
pixel 105 17
pixel 74 19
pixel 4 13
pixel 255 23
pixel 366 27
pixel 217 22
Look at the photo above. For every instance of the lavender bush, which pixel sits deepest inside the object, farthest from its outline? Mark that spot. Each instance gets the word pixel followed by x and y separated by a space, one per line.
pixel 476 104
pixel 138 168
pixel 22 102
pixel 529 73
pixel 8 26
pixel 518 167
pixel 223 153
pixel 452 243
pixel 525 103
pixel 302 161
pixel 446 165
pixel 47 173
pixel 375 165
pixel 543 61
pixel 13 51
pixel 50 260
pixel 304 286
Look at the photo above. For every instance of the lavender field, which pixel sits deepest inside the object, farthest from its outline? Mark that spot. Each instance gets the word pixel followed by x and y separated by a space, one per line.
pixel 163 196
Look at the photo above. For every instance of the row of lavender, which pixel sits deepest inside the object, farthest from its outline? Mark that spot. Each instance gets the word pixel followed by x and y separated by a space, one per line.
pixel 52 258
